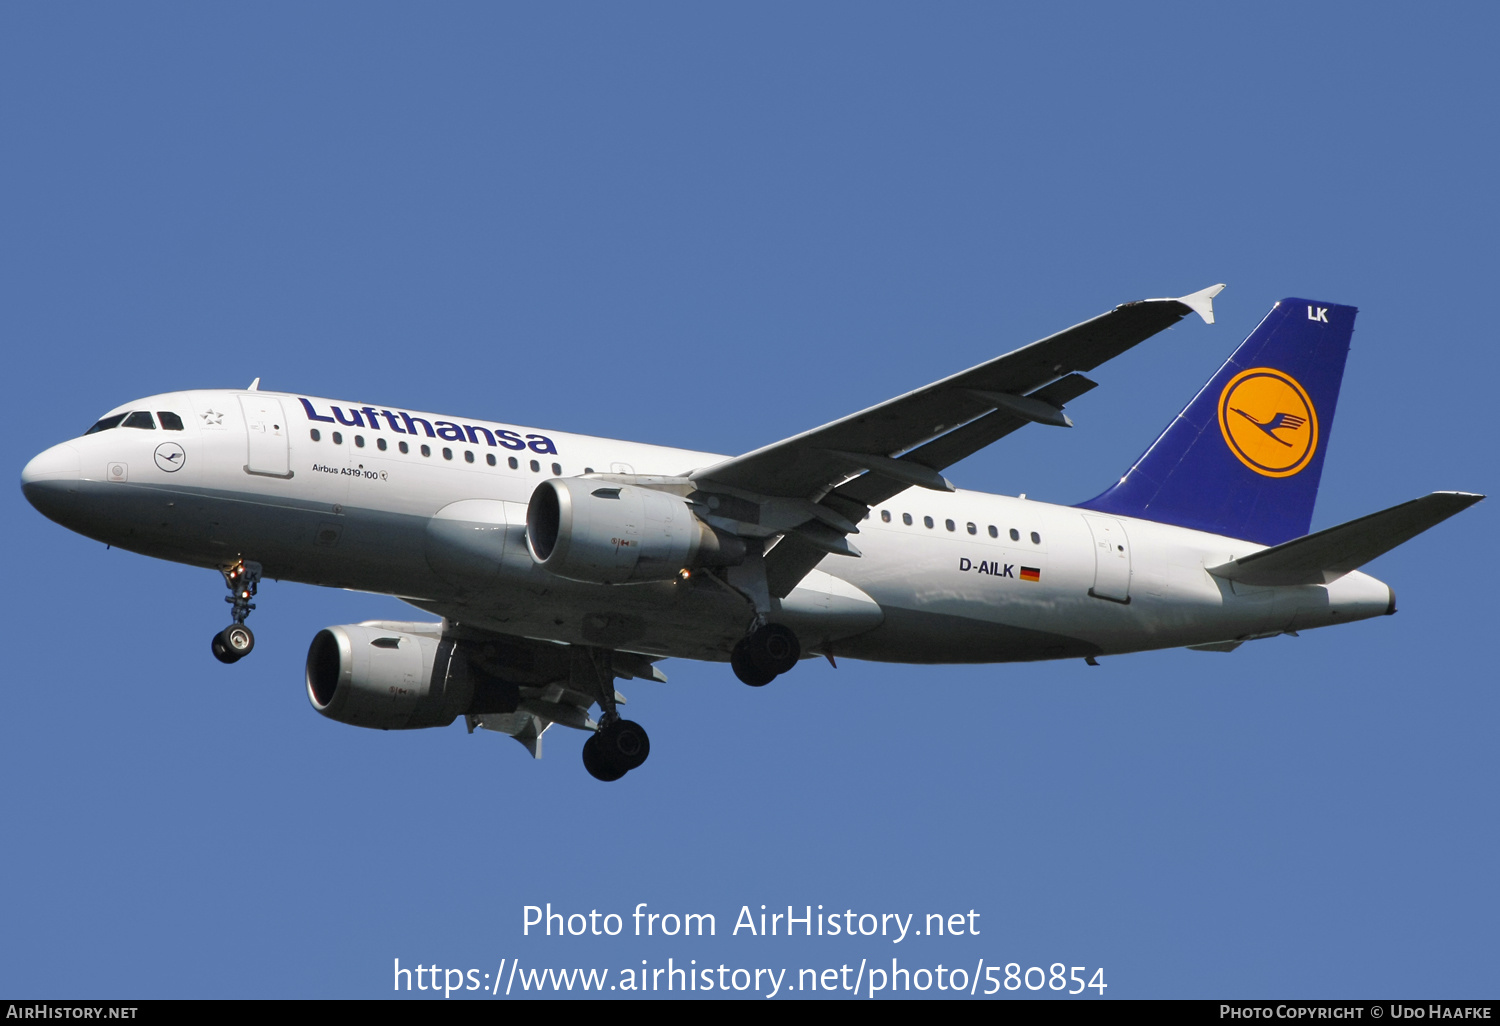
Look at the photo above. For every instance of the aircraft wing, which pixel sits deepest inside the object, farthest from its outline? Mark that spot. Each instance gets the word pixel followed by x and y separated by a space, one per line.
pixel 831 475
pixel 523 686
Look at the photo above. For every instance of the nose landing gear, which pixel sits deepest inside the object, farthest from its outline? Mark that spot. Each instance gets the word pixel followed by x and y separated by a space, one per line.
pixel 235 642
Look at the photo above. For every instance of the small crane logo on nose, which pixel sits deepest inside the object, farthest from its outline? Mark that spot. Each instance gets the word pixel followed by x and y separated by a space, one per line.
pixel 170 457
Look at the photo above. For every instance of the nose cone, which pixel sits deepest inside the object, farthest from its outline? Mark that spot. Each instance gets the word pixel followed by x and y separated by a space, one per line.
pixel 50 480
pixel 60 461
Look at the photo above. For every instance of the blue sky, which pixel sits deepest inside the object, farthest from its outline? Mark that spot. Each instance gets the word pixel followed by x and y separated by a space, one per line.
pixel 712 227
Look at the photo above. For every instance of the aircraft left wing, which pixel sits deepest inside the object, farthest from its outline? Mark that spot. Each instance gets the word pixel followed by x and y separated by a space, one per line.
pixel 813 488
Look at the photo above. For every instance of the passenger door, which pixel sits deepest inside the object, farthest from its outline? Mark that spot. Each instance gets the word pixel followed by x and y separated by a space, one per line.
pixel 266 432
pixel 1111 559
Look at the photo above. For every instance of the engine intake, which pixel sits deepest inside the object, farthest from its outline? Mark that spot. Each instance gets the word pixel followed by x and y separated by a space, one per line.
pixel 605 533
pixel 371 676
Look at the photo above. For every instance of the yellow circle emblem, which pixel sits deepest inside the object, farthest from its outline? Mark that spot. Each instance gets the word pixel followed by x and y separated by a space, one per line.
pixel 1268 422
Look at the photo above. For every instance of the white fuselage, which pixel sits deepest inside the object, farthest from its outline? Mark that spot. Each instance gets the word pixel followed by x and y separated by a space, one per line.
pixel 971 578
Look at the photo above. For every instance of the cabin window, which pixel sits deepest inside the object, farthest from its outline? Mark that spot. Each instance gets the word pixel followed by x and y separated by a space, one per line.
pixel 1015 535
pixel 515 464
pixel 489 458
pixel 557 470
pixel 973 529
pixel 536 467
pixel 380 444
pixel 994 531
pixel 588 470
pixel 317 436
pixel 338 438
pixel 426 450
pixel 885 515
pixel 447 453
pixel 403 447
pixel 359 441
pixel 106 424
pixel 468 456
pixel 927 521
pixel 906 519
pixel 139 419
pixel 950 525
pixel 1036 539
pixel 169 421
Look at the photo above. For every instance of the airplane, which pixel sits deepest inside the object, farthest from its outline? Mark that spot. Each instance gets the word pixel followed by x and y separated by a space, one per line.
pixel 560 563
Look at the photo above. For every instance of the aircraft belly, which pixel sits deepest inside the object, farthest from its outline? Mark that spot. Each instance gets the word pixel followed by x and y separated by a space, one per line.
pixel 402 553
pixel 688 626
pixel 696 618
pixel 918 636
pixel 952 598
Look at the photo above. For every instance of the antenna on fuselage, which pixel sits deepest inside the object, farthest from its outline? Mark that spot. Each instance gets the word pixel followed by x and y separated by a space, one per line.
pixel 254 386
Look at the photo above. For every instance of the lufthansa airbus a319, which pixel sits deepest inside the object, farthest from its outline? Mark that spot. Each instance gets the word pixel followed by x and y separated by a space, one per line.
pixel 562 563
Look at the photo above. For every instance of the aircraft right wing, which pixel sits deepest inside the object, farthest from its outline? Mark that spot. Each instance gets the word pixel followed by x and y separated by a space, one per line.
pixel 813 488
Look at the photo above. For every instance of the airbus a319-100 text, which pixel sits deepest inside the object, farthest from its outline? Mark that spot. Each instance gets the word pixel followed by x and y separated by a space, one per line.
pixel 561 563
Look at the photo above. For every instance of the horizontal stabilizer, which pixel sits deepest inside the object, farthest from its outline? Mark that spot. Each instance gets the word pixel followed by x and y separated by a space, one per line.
pixel 1328 555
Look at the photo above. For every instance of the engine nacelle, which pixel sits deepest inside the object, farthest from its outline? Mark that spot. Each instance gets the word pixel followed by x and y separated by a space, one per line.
pixel 607 533
pixel 370 676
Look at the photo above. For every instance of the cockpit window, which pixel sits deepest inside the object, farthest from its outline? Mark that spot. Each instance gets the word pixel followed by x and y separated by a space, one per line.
pixel 106 424
pixel 139 419
pixel 169 421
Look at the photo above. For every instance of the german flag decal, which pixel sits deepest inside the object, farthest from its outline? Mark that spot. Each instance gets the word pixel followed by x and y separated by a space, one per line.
pixel 1031 573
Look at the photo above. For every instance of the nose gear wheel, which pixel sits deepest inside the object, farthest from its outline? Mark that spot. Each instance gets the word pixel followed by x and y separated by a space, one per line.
pixel 233 643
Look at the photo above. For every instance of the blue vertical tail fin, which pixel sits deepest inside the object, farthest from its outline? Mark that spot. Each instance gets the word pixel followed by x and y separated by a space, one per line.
pixel 1244 458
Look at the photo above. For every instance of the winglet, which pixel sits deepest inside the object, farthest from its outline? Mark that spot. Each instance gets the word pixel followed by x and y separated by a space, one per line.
pixel 1202 302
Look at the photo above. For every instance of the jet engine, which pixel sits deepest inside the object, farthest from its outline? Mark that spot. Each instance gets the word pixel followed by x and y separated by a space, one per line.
pixel 606 533
pixel 371 675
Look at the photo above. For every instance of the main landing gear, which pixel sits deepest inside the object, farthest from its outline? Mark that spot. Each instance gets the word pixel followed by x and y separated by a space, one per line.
pixel 764 654
pixel 619 745
pixel 616 748
pixel 235 642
